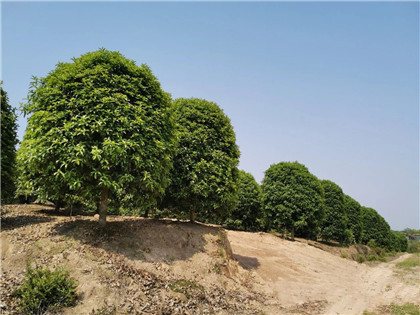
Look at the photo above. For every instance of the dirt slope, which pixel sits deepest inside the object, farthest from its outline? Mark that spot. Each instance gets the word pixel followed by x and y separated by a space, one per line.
pixel 144 266
pixel 295 273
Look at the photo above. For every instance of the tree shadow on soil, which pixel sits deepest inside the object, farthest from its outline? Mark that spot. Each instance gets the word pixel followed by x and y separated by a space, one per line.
pixel 64 212
pixel 247 263
pixel 10 223
pixel 147 240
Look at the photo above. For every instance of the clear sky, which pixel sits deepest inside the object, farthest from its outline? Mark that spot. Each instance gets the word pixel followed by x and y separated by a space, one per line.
pixel 334 86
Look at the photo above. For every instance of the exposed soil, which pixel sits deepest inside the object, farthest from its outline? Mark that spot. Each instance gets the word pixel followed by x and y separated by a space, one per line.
pixel 145 266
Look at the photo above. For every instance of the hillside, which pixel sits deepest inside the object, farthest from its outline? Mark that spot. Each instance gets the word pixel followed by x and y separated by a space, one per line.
pixel 145 266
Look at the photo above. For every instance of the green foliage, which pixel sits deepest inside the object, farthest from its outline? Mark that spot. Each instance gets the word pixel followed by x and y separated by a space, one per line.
pixel 204 177
pixel 398 241
pixel 335 221
pixel 99 122
pixel 371 258
pixel 8 148
pixel 413 247
pixel 360 258
pixel 44 289
pixel 352 210
pixel 374 227
pixel 247 214
pixel 292 198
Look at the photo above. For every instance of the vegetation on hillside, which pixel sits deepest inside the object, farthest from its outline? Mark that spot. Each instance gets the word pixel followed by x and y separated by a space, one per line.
pixel 204 177
pixel 247 215
pixel 100 127
pixel 101 130
pixel 8 148
pixel 293 199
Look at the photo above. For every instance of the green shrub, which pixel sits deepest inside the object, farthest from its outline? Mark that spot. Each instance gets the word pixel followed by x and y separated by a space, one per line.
pixel 372 258
pixel 360 258
pixel 44 289
pixel 413 247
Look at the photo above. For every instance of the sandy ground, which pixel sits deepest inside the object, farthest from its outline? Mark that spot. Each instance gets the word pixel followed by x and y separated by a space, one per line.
pixel 294 272
pixel 133 266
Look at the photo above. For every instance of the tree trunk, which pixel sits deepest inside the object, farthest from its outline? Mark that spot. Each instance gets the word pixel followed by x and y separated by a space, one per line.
pixel 57 205
pixel 293 233
pixel 102 206
pixel 192 215
pixel 146 213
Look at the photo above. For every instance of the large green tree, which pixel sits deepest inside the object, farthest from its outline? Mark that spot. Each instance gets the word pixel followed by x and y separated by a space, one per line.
pixel 375 228
pixel 99 126
pixel 204 177
pixel 8 148
pixel 334 226
pixel 247 214
pixel 352 209
pixel 292 198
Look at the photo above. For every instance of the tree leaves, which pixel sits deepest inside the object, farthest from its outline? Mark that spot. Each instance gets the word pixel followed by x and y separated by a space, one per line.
pixel 293 198
pixel 98 121
pixel 204 176
pixel 8 148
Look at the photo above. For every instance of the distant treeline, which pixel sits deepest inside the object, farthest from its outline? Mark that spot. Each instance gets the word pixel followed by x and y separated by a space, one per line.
pixel 102 134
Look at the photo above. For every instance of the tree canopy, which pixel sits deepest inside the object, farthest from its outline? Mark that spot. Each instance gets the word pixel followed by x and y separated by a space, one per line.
pixel 247 213
pixel 293 198
pixel 204 177
pixel 374 227
pixel 334 226
pixel 99 126
pixel 352 209
pixel 8 148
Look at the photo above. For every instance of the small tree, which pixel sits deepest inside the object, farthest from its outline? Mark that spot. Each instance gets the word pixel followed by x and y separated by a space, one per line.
pixel 352 210
pixel 100 126
pixel 248 212
pixel 204 176
pixel 8 148
pixel 335 222
pixel 292 198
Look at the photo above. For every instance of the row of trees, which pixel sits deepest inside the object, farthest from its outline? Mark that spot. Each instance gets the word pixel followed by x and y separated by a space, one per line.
pixel 102 131
pixel 294 200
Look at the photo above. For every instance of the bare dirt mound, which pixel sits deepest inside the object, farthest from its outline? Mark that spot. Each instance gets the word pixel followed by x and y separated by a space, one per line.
pixel 144 266
pixel 135 266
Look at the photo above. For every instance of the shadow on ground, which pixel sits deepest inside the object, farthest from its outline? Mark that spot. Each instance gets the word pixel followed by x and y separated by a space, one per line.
pixel 14 222
pixel 247 263
pixel 142 239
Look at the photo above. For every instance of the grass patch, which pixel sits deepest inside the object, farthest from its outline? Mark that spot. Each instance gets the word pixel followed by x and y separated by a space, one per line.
pixel 410 262
pixel 360 258
pixel 406 309
pixel 186 287
pixel 45 290
pixel 394 309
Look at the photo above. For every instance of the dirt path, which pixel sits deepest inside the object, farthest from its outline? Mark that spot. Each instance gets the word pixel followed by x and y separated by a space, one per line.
pixel 295 273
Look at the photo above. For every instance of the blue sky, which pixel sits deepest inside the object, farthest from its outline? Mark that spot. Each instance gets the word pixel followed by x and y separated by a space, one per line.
pixel 334 86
